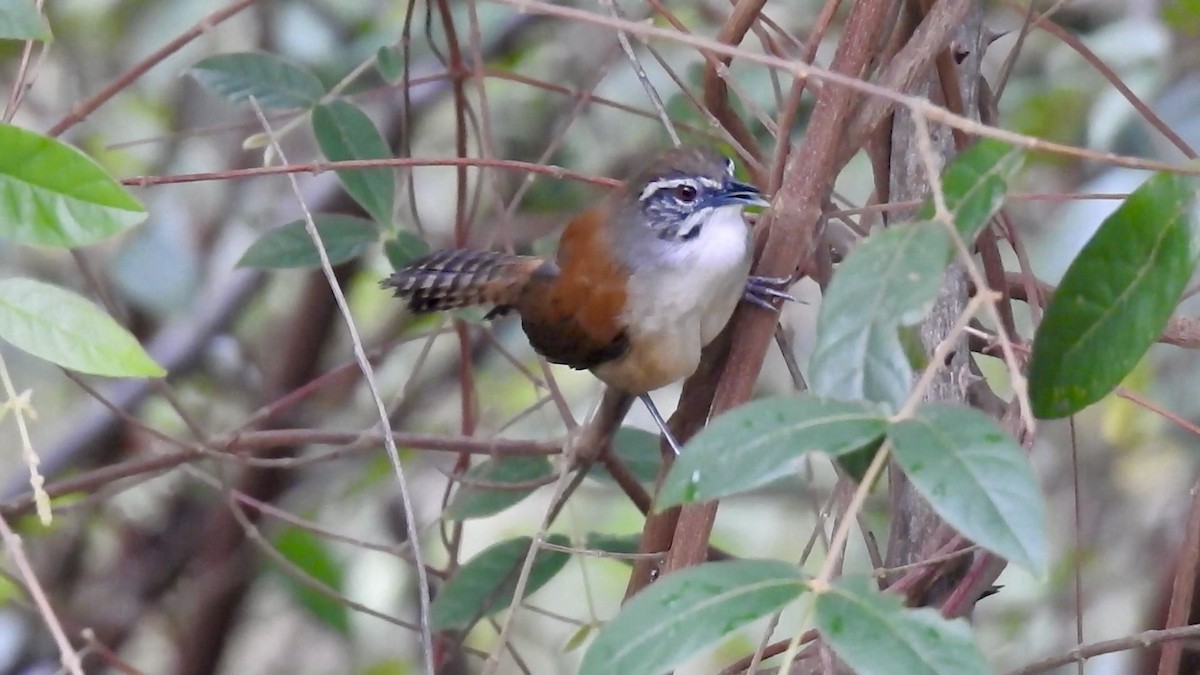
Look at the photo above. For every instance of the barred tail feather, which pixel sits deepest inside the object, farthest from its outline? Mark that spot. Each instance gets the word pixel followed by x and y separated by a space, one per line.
pixel 462 278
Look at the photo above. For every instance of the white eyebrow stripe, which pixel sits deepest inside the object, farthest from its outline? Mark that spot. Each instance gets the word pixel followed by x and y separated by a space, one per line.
pixel 668 183
pixel 665 184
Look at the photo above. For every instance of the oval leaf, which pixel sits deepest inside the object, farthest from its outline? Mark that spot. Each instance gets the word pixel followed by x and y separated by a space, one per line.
pixel 63 328
pixel 390 63
pixel 485 585
pixel 976 478
pixel 874 633
pixel 274 82
pixel 976 183
pixel 344 238
pixel 889 280
pixel 1115 298
pixel 308 553
pixel 344 132
pixel 687 611
pixel 763 441
pixel 54 195
pixel 404 248
pixel 471 501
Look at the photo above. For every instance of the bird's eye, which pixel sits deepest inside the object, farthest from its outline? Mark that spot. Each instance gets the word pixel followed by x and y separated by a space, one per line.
pixel 684 193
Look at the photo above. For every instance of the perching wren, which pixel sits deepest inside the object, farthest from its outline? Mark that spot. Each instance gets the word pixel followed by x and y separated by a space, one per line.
pixel 640 284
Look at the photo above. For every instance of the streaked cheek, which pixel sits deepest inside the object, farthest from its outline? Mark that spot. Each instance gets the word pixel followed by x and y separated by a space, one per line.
pixel 692 224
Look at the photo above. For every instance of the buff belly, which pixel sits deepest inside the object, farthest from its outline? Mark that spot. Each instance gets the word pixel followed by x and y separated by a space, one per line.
pixel 677 308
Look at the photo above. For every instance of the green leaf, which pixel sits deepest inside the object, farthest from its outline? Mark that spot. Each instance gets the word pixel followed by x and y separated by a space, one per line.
pixel 478 502
pixel 976 478
pixel 975 184
pixel 1115 298
pixel 63 328
pixel 687 611
pixel 638 450
pixel 874 633
pixel 308 553
pixel 485 584
pixel 344 237
pixel 404 248
pixel 889 280
pixel 578 638
pixel 344 132
pixel 20 20
pixel 274 82
pixel 1182 16
pixel 763 440
pixel 390 64
pixel 51 194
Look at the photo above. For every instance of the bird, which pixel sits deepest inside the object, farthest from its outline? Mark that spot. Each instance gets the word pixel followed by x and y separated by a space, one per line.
pixel 639 285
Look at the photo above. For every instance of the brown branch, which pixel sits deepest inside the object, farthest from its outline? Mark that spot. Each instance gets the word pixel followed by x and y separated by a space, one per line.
pixel 916 530
pixel 659 529
pixel 716 92
pixel 1084 652
pixel 791 107
pixel 1181 331
pixel 770 651
pixel 269 438
pixel 908 66
pixel 1183 587
pixel 80 112
pixel 627 482
pixel 316 168
pixel 794 225
pixel 748 153
pixel 96 478
pixel 931 112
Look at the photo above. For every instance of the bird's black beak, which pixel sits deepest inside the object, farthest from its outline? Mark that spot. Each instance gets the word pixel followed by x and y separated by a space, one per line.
pixel 742 193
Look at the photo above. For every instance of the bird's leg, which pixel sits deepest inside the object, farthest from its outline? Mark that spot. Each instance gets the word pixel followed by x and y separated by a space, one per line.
pixel 761 291
pixel 662 424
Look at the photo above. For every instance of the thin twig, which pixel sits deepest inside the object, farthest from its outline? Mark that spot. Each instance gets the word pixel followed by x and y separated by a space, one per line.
pixel 16 551
pixel 21 83
pixel 493 660
pixel 1183 586
pixel 1084 652
pixel 80 112
pixel 1077 542
pixel 369 377
pixel 932 111
pixel 639 70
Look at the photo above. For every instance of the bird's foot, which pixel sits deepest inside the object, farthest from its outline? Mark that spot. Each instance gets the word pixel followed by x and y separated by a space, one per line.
pixel 762 291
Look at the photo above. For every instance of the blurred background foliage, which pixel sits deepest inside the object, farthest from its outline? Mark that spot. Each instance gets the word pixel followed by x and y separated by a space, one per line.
pixel 133 559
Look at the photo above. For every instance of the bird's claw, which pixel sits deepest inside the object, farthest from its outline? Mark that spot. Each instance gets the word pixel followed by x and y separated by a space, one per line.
pixel 761 291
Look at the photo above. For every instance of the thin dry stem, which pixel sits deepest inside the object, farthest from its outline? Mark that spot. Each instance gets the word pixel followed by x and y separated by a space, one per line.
pixel 369 377
pixel 16 551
